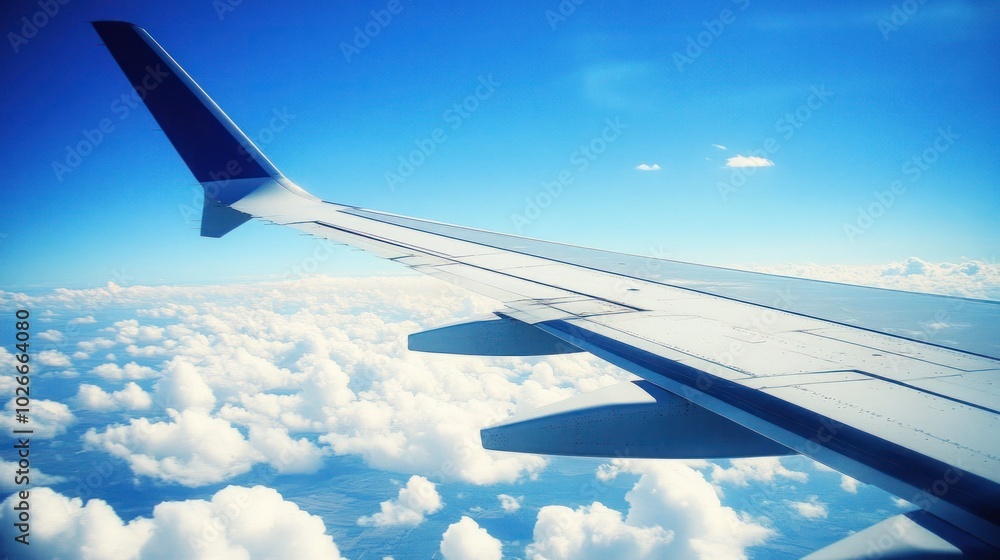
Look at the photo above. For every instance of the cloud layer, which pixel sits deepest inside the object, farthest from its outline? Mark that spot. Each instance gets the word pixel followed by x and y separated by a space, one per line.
pixel 236 522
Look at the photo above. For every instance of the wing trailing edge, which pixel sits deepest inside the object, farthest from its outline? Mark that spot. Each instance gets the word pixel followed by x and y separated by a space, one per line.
pixel 634 419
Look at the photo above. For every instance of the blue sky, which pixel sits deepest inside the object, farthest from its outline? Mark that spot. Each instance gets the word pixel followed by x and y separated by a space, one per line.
pixel 839 98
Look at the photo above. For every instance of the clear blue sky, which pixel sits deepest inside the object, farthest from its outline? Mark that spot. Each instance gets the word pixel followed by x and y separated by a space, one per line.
pixel 890 81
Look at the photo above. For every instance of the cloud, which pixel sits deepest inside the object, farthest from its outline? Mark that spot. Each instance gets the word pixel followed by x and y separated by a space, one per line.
pixel 748 161
pixel 8 470
pixel 719 146
pixel 849 484
pixel 418 498
pixel 131 370
pixel 94 344
pixel 183 388
pixel 237 522
pixel 648 167
pixel 510 504
pixel 466 540
pixel 82 320
pixel 812 508
pixel 970 278
pixel 132 397
pixel 50 335
pixel 673 513
pixel 193 449
pixel 594 532
pixel 53 358
pixel 48 419
pixel 314 367
pixel 757 469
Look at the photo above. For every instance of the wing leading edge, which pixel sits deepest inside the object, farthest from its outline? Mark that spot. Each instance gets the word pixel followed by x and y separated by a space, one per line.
pixel 850 376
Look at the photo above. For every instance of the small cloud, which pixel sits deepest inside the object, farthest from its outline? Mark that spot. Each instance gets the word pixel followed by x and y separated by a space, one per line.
pixel 748 161
pixel 50 335
pixel 901 503
pixel 648 167
pixel 82 320
pixel 848 484
pixel 811 508
pixel 510 504
pixel 53 358
pixel 719 146
pixel 418 498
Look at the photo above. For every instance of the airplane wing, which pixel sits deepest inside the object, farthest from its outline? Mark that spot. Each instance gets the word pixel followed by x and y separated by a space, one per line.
pixel 895 389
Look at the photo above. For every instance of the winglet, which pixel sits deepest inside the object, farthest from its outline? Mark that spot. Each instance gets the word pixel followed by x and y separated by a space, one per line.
pixel 222 158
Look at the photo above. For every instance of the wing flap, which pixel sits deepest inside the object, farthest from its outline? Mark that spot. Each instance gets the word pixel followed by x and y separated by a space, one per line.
pixel 634 419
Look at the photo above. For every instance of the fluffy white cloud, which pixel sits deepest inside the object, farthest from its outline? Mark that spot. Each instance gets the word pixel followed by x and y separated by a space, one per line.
pixel 756 469
pixel 748 161
pixel 594 532
pixel 673 513
pixel 50 335
pixel 648 167
pixel 132 397
pixel 510 504
pixel 848 484
pixel 236 523
pixel 48 419
pixel 82 320
pixel 53 358
pixel 466 540
pixel 193 449
pixel 812 508
pixel 183 388
pixel 418 498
